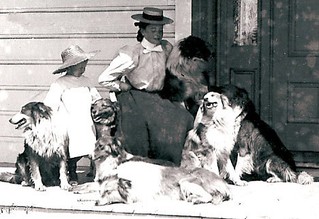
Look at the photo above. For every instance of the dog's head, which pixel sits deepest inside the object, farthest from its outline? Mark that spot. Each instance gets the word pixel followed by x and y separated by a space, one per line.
pixel 189 61
pixel 211 102
pixel 30 115
pixel 236 97
pixel 225 103
pixel 104 112
pixel 113 190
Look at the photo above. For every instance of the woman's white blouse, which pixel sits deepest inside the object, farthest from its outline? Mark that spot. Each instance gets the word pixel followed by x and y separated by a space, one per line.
pixel 143 65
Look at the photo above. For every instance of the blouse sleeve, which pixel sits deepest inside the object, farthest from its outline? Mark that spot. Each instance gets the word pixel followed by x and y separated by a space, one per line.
pixel 122 64
pixel 53 97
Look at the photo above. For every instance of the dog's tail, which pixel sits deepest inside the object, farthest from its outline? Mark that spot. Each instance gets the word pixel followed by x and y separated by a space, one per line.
pixel 304 178
pixel 281 171
pixel 10 177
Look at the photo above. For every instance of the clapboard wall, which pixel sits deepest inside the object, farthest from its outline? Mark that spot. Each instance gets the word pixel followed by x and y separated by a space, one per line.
pixel 33 34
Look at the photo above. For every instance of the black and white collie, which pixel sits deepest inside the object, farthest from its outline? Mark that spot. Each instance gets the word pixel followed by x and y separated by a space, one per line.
pixel 227 123
pixel 44 159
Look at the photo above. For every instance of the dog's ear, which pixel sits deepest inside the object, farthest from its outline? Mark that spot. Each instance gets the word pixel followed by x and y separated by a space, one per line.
pixel 39 111
pixel 224 100
pixel 201 105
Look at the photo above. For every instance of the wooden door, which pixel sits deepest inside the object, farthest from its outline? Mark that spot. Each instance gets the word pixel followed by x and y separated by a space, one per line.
pixel 281 72
pixel 295 89
pixel 238 58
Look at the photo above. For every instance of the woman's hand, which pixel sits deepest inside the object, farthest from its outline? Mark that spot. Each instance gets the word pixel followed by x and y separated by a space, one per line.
pixel 112 86
pixel 125 86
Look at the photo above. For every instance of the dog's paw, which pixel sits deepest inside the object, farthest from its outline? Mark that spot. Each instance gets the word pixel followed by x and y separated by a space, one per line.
pixel 304 178
pixel 194 193
pixel 25 183
pixel 217 199
pixel 66 186
pixel 274 179
pixel 39 187
pixel 89 187
pixel 240 182
pixel 102 202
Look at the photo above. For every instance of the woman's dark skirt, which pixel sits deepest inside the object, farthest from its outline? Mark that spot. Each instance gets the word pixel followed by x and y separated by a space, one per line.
pixel 153 127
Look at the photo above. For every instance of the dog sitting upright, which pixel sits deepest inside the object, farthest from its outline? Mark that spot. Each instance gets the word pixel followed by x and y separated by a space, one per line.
pixel 105 115
pixel 43 161
pixel 211 141
pixel 234 126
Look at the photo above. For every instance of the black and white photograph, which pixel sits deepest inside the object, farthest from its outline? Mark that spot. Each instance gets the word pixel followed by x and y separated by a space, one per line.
pixel 159 109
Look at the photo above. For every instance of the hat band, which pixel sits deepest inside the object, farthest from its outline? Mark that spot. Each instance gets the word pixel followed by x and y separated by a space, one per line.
pixel 153 17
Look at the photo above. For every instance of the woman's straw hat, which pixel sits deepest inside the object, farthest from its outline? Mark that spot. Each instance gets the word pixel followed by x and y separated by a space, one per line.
pixel 73 55
pixel 152 16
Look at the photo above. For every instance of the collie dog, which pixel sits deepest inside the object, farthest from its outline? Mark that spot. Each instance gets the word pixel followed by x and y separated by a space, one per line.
pixel 105 115
pixel 124 178
pixel 226 125
pixel 187 78
pixel 44 160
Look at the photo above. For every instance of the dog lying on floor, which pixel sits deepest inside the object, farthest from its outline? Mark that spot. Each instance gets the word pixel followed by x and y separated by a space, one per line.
pixel 226 123
pixel 43 161
pixel 124 178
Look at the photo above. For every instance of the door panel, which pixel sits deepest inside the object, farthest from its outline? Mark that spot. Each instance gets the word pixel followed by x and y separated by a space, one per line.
pixel 237 64
pixel 296 73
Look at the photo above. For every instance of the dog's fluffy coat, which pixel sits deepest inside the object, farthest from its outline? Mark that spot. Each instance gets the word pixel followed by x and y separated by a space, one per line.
pixel 186 78
pixel 125 178
pixel 43 162
pixel 227 123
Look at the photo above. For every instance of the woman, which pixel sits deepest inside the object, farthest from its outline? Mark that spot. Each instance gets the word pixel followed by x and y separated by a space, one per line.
pixel 71 96
pixel 150 126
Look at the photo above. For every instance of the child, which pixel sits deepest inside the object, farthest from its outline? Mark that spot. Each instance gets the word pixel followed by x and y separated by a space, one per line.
pixel 71 95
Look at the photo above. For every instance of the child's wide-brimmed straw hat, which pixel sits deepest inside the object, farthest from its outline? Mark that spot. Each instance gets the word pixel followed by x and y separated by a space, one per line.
pixel 73 55
pixel 152 16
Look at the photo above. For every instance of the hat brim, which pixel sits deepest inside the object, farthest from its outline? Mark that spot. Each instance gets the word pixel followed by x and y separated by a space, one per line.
pixel 139 17
pixel 75 61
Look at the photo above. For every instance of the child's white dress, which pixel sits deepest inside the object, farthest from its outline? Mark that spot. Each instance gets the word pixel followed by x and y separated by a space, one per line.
pixel 71 97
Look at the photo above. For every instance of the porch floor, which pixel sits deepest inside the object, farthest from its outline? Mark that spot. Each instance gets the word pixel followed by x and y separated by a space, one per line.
pixel 257 200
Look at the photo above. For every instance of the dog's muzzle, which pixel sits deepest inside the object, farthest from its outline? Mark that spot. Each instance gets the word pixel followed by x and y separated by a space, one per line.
pixel 19 123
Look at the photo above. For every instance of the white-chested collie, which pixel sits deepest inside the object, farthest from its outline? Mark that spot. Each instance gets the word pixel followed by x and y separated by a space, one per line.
pixel 228 124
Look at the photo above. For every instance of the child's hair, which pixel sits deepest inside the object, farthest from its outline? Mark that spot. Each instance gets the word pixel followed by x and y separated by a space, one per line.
pixel 141 25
